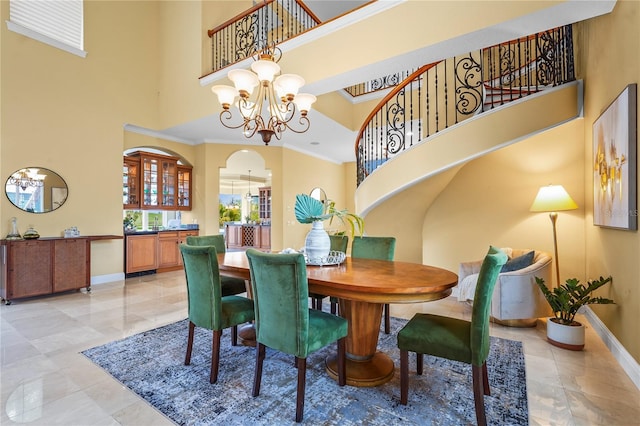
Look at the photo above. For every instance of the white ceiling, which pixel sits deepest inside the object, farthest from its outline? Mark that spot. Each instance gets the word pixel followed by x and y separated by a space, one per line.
pixel 331 141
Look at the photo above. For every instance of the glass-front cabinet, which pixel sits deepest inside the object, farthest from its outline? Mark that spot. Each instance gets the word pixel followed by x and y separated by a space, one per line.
pixel 184 187
pixel 150 182
pixel 130 183
pixel 168 183
pixel 265 203
pixel 164 184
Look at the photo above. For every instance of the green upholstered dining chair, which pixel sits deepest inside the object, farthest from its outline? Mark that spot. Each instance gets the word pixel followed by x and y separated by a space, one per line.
pixel 206 305
pixel 230 285
pixel 455 339
pixel 284 321
pixel 381 248
pixel 338 243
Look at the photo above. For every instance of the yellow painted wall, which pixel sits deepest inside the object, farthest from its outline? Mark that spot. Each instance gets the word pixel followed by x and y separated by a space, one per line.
pixel 66 113
pixel 608 51
pixel 488 202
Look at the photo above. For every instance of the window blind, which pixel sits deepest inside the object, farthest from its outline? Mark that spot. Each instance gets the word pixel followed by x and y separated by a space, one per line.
pixel 61 20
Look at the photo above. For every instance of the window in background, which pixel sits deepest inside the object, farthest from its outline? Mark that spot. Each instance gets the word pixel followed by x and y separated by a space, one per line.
pixel 57 23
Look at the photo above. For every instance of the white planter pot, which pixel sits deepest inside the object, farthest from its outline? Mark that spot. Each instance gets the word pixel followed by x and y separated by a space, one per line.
pixel 565 336
pixel 317 244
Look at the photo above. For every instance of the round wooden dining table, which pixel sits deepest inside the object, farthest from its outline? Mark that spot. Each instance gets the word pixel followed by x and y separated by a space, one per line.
pixel 363 286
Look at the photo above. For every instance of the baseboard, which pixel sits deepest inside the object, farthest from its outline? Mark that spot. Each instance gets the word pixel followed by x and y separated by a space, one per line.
pixel 626 361
pixel 109 278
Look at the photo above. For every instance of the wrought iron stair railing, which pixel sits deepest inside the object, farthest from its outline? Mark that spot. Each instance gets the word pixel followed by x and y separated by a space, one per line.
pixel 442 94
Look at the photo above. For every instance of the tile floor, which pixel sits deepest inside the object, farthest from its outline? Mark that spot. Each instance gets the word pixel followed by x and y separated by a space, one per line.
pixel 45 381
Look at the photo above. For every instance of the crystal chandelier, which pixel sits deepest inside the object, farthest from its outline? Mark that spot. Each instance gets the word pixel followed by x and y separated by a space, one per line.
pixel 274 106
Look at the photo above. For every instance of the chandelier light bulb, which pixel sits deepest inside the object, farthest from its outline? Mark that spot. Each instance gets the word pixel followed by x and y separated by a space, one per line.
pixel 226 95
pixel 304 101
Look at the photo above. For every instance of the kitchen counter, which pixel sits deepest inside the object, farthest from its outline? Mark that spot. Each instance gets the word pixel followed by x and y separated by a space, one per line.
pixel 151 231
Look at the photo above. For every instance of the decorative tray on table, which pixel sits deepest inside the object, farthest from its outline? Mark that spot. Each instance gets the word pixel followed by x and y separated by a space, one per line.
pixel 333 258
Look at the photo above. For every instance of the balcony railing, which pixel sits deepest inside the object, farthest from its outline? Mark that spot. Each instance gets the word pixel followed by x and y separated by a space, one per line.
pixel 269 22
pixel 442 94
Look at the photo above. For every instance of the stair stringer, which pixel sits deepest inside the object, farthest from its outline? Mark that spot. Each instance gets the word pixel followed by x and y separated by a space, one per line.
pixel 411 181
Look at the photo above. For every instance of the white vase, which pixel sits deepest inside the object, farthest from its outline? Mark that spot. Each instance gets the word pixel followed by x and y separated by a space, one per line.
pixel 317 244
pixel 565 336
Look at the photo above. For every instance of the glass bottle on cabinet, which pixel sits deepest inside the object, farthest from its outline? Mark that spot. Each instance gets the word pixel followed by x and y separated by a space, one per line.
pixel 130 183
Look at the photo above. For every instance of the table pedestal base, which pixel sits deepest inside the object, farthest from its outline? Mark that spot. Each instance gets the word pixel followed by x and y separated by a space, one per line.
pixel 372 372
pixel 247 334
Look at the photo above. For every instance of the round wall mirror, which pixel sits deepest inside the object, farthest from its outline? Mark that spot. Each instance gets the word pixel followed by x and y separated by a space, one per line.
pixel 319 194
pixel 36 190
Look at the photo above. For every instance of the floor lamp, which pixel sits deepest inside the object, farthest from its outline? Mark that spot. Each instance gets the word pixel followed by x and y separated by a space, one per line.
pixel 552 199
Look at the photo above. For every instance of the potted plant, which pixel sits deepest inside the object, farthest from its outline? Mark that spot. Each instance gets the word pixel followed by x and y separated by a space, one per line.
pixel 310 210
pixel 129 221
pixel 565 301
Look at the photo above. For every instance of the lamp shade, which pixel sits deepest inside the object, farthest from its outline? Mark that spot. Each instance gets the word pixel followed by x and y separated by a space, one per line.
pixel 553 198
pixel 303 101
pixel 266 69
pixel 244 80
pixel 226 94
pixel 288 85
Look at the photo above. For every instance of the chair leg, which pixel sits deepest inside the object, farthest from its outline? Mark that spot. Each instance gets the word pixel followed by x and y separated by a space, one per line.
pixel 187 358
pixel 342 363
pixel 215 356
pixel 387 319
pixel 302 371
pixel 257 377
pixel 419 363
pixel 478 395
pixel 404 376
pixel 485 377
pixel 334 307
pixel 234 335
pixel 318 304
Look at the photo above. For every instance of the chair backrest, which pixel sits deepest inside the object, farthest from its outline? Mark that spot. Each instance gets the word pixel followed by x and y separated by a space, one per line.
pixel 204 293
pixel 339 242
pixel 381 248
pixel 487 277
pixel 208 240
pixel 281 300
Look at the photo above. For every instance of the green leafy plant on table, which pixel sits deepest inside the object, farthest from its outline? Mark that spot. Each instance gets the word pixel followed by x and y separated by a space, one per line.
pixel 566 299
pixel 308 210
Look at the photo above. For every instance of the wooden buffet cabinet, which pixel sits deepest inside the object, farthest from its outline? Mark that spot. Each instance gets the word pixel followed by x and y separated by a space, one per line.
pixel 155 250
pixel 45 266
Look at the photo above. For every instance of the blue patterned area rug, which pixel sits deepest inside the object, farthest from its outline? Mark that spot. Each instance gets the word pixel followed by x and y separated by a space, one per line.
pixel 151 364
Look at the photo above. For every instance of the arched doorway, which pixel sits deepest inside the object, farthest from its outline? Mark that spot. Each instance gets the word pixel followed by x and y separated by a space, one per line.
pixel 243 183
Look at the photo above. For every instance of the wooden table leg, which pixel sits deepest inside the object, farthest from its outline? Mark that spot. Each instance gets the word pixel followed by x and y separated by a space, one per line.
pixel 365 365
